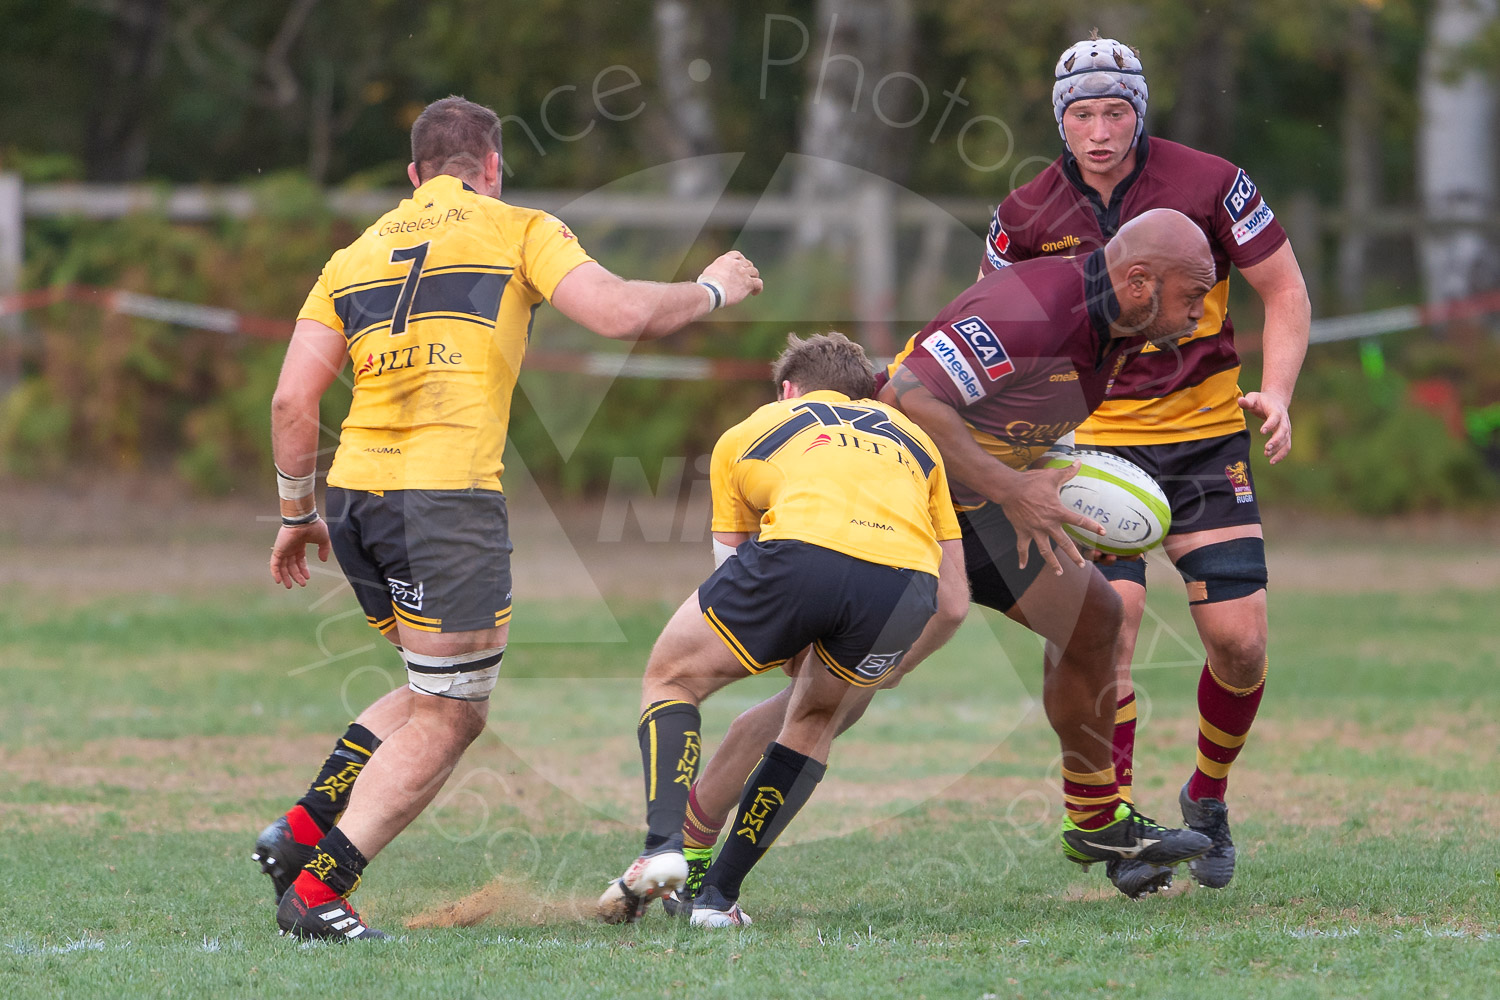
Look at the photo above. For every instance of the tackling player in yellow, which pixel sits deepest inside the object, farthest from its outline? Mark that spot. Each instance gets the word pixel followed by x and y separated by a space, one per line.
pixel 833 517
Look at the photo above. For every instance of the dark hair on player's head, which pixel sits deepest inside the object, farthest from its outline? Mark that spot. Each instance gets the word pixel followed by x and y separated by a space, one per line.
pixel 453 136
pixel 825 361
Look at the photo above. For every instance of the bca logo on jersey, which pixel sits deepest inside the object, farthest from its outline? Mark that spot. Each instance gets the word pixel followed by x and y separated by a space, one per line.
pixel 1237 201
pixel 987 347
pixel 997 244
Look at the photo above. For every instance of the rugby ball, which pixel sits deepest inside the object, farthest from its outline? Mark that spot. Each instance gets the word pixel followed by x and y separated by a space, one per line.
pixel 1118 494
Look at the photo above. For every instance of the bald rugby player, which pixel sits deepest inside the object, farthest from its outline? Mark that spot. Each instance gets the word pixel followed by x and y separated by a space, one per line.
pixel 1178 411
pixel 1008 368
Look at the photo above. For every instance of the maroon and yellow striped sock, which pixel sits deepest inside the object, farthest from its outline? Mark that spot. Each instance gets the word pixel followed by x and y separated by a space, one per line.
pixel 1091 799
pixel 1124 745
pixel 1225 715
pixel 699 830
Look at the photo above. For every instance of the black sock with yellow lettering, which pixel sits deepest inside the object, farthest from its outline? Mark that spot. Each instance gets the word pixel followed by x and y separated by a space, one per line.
pixel 774 793
pixel 334 870
pixel 329 793
pixel 670 746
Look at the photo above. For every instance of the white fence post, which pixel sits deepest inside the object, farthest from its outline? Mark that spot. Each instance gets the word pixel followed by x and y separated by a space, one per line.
pixel 874 259
pixel 12 226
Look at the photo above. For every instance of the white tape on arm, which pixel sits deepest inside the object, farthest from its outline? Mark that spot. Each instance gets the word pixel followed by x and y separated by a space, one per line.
pixel 722 552
pixel 298 505
pixel 294 487
pixel 715 290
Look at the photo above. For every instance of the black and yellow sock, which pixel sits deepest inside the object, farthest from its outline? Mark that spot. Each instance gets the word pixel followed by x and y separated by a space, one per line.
pixel 670 747
pixel 329 793
pixel 335 869
pixel 774 793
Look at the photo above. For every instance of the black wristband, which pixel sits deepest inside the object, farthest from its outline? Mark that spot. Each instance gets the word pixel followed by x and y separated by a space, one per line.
pixel 297 522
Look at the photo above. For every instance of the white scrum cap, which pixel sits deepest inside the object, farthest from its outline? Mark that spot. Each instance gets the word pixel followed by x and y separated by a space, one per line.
pixel 1099 67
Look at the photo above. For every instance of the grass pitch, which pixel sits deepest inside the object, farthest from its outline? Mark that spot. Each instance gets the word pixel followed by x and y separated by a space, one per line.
pixel 146 742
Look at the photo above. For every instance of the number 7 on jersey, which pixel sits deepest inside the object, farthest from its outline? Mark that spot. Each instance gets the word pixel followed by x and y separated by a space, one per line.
pixel 416 255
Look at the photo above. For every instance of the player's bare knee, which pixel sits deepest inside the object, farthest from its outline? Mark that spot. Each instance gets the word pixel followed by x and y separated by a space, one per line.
pixel 1100 620
pixel 1240 661
pixel 677 685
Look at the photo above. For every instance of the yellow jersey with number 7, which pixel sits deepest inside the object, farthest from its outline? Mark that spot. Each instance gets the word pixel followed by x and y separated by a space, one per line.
pixel 436 301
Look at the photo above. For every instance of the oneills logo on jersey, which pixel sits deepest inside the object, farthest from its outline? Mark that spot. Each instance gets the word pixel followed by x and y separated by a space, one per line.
pixel 942 348
pixel 997 244
pixel 1066 243
pixel 821 439
pixel 987 347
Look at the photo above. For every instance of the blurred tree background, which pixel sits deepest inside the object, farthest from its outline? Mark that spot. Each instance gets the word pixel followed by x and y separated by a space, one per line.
pixel 1370 125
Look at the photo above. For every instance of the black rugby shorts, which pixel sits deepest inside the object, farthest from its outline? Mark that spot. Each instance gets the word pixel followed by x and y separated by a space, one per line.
pixel 434 560
pixel 772 599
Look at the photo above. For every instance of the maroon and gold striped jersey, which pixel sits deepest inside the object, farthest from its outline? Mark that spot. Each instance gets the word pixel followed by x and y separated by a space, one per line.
pixel 1024 355
pixel 1177 392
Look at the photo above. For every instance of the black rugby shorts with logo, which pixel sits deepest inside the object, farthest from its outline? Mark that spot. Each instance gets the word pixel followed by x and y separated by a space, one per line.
pixel 434 560
pixel 1207 482
pixel 991 559
pixel 773 599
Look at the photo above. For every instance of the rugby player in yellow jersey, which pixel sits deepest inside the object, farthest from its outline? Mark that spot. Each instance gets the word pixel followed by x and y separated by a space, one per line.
pixel 833 519
pixel 433 306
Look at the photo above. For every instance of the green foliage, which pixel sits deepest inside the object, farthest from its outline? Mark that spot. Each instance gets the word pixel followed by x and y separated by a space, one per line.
pixel 111 391
pixel 34 430
pixel 1361 446
pixel 237 92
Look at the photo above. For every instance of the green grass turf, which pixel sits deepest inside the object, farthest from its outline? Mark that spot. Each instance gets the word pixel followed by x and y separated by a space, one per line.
pixel 146 742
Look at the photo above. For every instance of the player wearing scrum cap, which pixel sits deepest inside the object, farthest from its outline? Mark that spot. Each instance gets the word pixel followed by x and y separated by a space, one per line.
pixel 1177 410
pixel 1004 371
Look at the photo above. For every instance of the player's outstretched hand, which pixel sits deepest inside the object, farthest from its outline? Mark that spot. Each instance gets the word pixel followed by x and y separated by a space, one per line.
pixel 738 276
pixel 1277 423
pixel 289 554
pixel 1038 516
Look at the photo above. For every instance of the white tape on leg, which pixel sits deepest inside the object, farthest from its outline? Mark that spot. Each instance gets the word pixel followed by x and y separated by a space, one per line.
pixel 465 677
